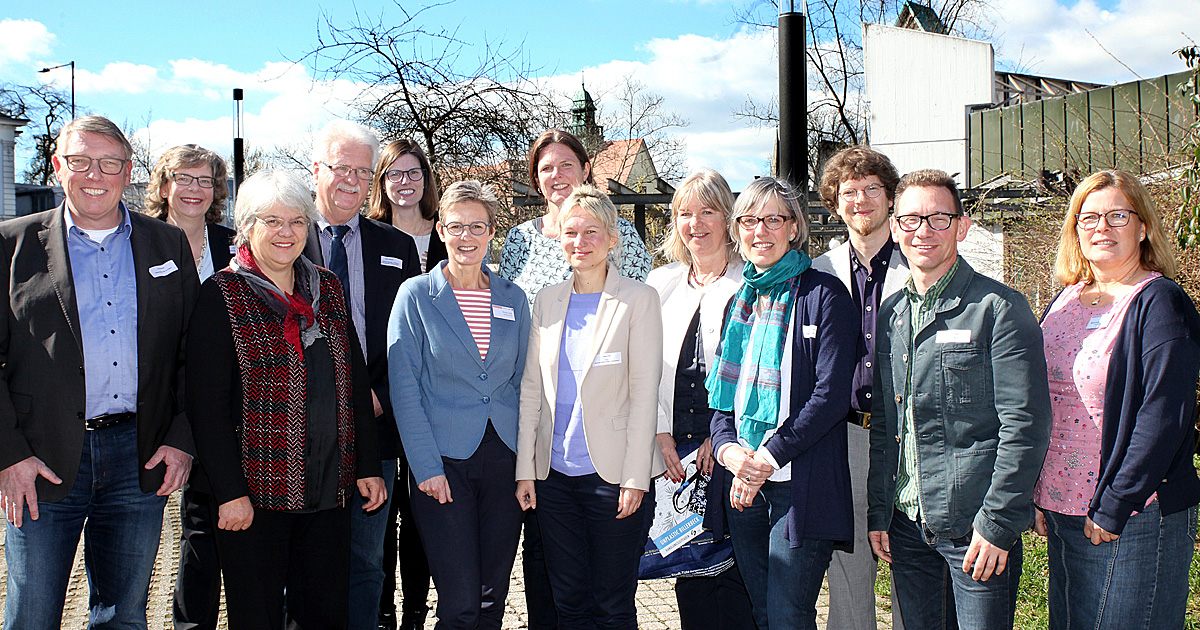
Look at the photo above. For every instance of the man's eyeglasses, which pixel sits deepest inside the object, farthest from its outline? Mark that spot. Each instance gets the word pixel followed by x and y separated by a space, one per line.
pixel 773 221
pixel 477 228
pixel 850 195
pixel 341 170
pixel 183 179
pixel 108 166
pixel 397 175
pixel 937 221
pixel 1114 218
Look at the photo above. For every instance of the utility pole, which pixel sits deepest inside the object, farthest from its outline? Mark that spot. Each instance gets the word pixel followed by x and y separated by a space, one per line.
pixel 239 148
pixel 64 65
pixel 793 96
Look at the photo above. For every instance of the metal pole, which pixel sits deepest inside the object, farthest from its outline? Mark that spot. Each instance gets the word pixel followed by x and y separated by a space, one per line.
pixel 72 90
pixel 239 157
pixel 793 97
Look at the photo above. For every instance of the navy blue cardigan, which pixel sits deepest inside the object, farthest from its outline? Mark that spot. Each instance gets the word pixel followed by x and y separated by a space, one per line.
pixel 1151 392
pixel 813 438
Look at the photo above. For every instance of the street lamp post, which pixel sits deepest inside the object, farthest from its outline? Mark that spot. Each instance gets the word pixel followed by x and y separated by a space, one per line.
pixel 64 65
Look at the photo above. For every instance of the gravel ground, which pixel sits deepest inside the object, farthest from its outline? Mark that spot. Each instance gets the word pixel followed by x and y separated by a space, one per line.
pixel 655 598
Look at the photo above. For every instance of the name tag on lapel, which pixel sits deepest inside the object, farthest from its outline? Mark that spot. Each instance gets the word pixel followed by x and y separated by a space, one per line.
pixel 608 358
pixel 1098 321
pixel 953 336
pixel 389 261
pixel 809 331
pixel 164 269
pixel 504 312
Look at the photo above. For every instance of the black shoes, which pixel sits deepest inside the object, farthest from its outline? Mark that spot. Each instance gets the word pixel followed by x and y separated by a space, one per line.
pixel 412 619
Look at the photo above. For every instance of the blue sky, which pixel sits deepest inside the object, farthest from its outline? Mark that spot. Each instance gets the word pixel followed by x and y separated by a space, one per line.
pixel 174 63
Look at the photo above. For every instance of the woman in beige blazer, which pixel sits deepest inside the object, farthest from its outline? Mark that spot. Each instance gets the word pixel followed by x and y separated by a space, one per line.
pixel 588 417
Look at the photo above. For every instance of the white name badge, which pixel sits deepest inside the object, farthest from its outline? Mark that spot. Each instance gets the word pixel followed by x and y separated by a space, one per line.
pixel 608 358
pixel 233 249
pixel 504 312
pixel 389 261
pixel 164 269
pixel 1098 321
pixel 809 331
pixel 953 336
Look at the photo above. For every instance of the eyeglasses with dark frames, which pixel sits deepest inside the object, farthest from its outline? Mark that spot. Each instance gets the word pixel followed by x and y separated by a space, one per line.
pixel 937 221
pixel 872 191
pixel 183 179
pixel 476 228
pixel 397 175
pixel 1114 218
pixel 82 163
pixel 773 221
pixel 341 170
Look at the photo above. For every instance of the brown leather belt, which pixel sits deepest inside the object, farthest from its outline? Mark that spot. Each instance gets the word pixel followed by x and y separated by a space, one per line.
pixel 108 420
pixel 859 418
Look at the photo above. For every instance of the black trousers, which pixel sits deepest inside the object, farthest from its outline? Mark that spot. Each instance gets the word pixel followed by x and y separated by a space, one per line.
pixel 198 582
pixel 471 541
pixel 592 556
pixel 404 542
pixel 308 554
pixel 539 597
pixel 719 602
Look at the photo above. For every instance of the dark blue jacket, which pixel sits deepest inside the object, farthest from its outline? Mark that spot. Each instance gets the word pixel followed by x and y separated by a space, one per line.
pixel 813 438
pixel 1151 395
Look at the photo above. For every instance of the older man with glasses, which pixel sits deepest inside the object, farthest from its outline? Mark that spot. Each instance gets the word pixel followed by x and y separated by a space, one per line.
pixel 371 259
pixel 92 432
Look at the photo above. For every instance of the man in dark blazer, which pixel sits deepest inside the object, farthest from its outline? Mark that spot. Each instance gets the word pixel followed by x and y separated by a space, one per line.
pixel 92 434
pixel 372 259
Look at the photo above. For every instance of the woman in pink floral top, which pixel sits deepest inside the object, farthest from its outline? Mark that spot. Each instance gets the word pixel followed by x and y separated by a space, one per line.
pixel 1118 492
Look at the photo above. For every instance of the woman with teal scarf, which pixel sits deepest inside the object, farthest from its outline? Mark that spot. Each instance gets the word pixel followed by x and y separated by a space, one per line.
pixel 779 390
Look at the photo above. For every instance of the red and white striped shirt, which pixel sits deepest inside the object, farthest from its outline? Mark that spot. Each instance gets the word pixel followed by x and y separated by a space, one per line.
pixel 476 306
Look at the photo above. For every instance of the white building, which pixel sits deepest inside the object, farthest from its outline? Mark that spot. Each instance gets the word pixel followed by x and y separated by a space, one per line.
pixel 10 128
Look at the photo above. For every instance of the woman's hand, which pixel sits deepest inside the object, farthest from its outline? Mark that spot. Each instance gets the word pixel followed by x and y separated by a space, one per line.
pixel 744 465
pixel 1097 533
pixel 374 492
pixel 628 501
pixel 704 457
pixel 235 515
pixel 437 487
pixel 1039 522
pixel 526 494
pixel 741 494
pixel 666 444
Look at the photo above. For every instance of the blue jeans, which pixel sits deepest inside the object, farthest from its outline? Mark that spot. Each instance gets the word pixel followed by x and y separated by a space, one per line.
pixel 367 531
pixel 1138 581
pixel 591 556
pixel 121 527
pixel 783 581
pixel 935 592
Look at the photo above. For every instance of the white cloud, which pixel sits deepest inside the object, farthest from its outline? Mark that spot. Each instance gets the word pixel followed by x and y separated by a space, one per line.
pixel 119 76
pixel 1052 39
pixel 24 40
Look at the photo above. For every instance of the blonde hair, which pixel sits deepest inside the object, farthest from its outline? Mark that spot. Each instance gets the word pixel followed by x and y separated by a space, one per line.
pixel 187 156
pixel 710 189
pixel 470 191
pixel 1156 252
pixel 598 206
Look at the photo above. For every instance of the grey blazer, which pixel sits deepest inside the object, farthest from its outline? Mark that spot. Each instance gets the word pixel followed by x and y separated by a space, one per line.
pixel 41 349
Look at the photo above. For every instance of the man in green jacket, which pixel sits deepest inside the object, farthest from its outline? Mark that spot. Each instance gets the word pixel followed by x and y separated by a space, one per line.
pixel 961 421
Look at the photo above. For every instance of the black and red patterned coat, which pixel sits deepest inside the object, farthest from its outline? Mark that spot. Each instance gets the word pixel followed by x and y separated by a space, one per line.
pixel 246 385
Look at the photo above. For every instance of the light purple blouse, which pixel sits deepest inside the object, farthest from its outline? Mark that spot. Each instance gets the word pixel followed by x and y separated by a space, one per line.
pixel 569 452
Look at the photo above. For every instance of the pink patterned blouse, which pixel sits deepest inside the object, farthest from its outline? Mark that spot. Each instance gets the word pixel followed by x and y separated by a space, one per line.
pixel 1078 341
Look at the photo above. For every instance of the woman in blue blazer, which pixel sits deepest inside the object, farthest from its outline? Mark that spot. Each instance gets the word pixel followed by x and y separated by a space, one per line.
pixel 456 353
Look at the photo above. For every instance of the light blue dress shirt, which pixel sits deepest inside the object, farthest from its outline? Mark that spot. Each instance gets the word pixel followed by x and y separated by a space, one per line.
pixel 106 296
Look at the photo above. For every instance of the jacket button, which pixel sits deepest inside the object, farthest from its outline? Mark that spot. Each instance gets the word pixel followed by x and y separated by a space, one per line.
pixel 487 399
pixel 897 439
pixel 897 397
pixel 483 377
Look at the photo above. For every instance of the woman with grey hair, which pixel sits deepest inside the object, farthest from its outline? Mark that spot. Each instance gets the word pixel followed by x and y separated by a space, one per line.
pixel 589 402
pixel 278 398
pixel 779 388
pixel 456 353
